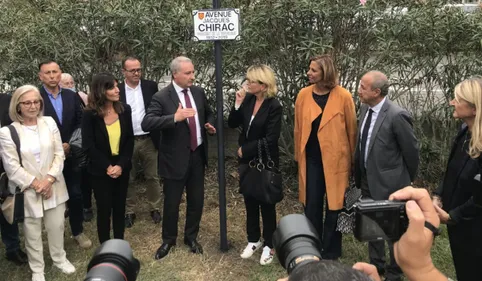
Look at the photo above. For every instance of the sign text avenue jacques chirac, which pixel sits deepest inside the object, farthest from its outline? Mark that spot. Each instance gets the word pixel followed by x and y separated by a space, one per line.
pixel 219 24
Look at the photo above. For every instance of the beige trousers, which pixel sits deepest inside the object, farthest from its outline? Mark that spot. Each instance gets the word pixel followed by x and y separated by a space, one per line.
pixel 145 157
pixel 54 225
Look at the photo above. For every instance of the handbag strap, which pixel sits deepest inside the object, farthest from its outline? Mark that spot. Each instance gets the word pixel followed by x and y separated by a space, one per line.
pixel 16 141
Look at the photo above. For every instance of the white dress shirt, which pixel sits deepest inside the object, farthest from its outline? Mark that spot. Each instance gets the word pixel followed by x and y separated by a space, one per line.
pixel 376 109
pixel 180 94
pixel 135 99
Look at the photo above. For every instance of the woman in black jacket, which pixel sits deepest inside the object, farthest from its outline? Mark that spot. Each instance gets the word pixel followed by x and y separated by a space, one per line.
pixel 108 137
pixel 258 113
pixel 454 199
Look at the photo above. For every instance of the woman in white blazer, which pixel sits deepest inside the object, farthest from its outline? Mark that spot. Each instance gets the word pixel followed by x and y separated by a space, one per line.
pixel 39 176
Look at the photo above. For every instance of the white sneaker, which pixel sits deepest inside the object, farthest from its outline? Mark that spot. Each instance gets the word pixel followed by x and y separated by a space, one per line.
pixel 266 256
pixel 66 267
pixel 38 277
pixel 250 249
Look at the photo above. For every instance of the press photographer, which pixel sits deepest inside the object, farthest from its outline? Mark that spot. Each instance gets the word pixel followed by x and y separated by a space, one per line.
pixel 411 252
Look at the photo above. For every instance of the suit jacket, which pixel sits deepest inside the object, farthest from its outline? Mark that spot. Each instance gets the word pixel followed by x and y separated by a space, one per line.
pixel 174 147
pixel 51 163
pixel 393 152
pixel 336 135
pixel 95 140
pixel 4 105
pixel 458 199
pixel 266 124
pixel 149 88
pixel 71 113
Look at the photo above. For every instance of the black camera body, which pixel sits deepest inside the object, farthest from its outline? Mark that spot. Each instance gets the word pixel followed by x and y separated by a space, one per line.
pixel 380 220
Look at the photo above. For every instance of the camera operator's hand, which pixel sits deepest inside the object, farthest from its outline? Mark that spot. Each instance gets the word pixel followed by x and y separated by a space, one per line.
pixel 412 251
pixel 283 279
pixel 368 269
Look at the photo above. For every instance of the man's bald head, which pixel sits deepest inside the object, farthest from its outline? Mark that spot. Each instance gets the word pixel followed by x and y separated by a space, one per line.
pixel 378 81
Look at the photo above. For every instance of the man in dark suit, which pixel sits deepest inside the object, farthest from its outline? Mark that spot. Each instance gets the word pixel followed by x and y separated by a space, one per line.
pixel 9 232
pixel 182 113
pixel 386 157
pixel 64 107
pixel 138 93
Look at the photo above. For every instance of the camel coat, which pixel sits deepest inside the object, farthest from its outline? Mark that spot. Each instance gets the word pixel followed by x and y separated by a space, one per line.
pixel 336 135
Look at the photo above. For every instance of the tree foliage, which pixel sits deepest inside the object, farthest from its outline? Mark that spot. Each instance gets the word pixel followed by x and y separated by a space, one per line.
pixel 426 49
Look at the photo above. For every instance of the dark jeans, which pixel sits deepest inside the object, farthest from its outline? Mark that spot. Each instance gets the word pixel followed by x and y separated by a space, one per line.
pixel 268 212
pixel 86 189
pixel 73 177
pixel 376 250
pixel 110 198
pixel 173 189
pixel 315 199
pixel 9 235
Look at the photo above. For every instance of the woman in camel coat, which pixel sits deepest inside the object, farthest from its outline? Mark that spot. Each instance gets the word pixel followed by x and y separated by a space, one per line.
pixel 325 135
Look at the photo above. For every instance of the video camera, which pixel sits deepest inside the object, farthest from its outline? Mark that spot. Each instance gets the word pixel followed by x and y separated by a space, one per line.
pixel 113 261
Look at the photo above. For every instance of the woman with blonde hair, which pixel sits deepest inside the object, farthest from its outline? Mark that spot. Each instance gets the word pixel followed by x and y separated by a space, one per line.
pixel 454 200
pixel 258 113
pixel 324 135
pixel 39 176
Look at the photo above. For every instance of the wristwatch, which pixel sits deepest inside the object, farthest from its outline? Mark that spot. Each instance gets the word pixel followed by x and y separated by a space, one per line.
pixel 50 179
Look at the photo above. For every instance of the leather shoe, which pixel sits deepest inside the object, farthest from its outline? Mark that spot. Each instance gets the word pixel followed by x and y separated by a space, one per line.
pixel 163 251
pixel 18 257
pixel 156 216
pixel 129 220
pixel 194 246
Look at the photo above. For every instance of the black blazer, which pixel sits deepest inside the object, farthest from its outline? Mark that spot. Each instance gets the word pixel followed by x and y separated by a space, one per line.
pixel 95 140
pixel 149 88
pixel 458 200
pixel 175 147
pixel 266 124
pixel 4 105
pixel 71 113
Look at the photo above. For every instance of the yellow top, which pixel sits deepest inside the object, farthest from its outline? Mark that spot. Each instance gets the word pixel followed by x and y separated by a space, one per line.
pixel 114 132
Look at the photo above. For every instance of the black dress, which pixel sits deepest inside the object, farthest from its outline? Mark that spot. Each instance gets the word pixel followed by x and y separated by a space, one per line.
pixel 456 191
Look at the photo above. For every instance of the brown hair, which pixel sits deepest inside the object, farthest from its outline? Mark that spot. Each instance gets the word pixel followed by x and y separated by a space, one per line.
pixel 100 84
pixel 329 74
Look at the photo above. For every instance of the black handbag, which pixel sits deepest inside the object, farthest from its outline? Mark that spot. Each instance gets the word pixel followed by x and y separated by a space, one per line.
pixel 13 204
pixel 77 153
pixel 261 180
pixel 346 217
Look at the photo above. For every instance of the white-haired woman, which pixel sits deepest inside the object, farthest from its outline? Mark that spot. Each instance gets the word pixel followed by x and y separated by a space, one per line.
pixel 453 200
pixel 39 177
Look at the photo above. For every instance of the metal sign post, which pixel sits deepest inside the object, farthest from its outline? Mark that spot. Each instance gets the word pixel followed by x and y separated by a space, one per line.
pixel 216 25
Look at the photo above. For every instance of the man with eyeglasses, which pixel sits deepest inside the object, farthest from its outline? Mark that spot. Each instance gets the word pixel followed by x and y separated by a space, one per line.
pixel 138 93
pixel 63 106
pixel 10 236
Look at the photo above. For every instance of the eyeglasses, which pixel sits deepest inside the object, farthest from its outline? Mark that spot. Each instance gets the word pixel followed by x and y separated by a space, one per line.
pixel 134 71
pixel 30 103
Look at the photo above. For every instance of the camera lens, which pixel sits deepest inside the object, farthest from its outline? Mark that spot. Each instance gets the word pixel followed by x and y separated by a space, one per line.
pixel 296 242
pixel 113 261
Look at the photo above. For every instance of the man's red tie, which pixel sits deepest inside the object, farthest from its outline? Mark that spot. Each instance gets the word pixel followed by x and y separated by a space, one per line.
pixel 192 122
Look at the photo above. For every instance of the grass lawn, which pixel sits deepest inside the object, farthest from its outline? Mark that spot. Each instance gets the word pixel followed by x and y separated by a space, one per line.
pixel 145 238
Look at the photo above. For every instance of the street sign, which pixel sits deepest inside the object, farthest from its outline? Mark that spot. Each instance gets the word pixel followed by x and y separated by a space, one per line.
pixel 216 24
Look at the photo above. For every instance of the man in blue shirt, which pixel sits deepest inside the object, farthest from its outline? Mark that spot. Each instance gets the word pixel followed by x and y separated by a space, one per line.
pixel 63 106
